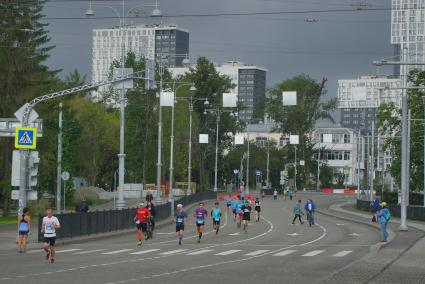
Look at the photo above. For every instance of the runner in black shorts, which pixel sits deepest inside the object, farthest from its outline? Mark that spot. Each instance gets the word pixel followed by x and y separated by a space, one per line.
pixel 257 209
pixel 179 217
pixel 49 226
pixel 246 217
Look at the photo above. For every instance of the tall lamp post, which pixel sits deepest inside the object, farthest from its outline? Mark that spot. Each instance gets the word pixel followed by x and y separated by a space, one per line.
pixel 171 194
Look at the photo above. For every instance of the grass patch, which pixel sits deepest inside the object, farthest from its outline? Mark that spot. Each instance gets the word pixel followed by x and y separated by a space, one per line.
pixel 8 220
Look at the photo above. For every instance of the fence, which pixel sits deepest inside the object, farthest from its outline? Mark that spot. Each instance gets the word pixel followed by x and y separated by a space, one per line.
pixel 84 224
pixel 413 212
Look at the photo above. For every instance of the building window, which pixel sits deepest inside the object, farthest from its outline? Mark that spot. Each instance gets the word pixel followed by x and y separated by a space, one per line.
pixel 346 138
pixel 283 141
pixel 346 156
pixel 261 141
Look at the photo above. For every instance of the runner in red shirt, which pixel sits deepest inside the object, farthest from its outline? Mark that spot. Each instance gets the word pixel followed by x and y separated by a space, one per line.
pixel 141 219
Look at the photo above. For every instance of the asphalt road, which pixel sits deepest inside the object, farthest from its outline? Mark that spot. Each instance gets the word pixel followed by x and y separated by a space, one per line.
pixel 273 251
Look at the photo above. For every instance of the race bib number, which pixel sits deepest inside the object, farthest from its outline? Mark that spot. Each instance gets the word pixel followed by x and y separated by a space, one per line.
pixel 137 222
pixel 200 221
pixel 49 228
pixel 179 220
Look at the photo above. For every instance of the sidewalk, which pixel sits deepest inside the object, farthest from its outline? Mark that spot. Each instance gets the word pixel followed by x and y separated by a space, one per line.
pixel 397 261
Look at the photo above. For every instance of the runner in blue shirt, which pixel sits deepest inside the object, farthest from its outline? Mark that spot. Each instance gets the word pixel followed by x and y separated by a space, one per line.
pixel 229 202
pixel 216 216
pixel 179 215
pixel 238 212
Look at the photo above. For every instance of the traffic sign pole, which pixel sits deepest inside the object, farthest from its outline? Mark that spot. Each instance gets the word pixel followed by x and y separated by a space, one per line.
pixel 59 169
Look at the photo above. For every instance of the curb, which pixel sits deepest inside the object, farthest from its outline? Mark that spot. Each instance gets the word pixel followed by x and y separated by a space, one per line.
pixel 107 235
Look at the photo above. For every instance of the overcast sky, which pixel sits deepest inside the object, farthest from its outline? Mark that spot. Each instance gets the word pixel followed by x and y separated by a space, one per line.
pixel 340 45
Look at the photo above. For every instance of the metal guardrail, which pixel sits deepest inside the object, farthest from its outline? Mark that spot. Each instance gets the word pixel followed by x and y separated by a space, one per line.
pixel 413 212
pixel 85 224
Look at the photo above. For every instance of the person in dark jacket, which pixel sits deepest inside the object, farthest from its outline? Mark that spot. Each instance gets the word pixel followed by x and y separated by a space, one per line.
pixel 82 206
pixel 149 197
pixel 152 210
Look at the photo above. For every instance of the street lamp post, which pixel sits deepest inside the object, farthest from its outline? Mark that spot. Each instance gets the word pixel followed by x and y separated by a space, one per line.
pixel 216 153
pixel 171 194
pixel 423 100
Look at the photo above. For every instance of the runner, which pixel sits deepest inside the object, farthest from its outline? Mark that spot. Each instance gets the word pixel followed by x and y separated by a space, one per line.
pixel 200 214
pixel 141 219
pixel 275 194
pixel 263 194
pixel 151 222
pixel 246 217
pixel 238 213
pixel 216 216
pixel 229 201
pixel 257 209
pixel 24 228
pixel 179 221
pixel 49 226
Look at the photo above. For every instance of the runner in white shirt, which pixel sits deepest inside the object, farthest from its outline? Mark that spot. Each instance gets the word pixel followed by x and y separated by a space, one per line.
pixel 48 228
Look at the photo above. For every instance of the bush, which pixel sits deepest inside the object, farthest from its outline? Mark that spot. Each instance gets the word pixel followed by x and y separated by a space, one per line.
pixel 392 198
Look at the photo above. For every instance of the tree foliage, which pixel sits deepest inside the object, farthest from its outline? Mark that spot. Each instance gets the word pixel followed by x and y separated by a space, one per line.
pixel 300 119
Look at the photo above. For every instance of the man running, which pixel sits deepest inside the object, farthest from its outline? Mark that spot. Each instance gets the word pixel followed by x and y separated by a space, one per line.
pixel 141 219
pixel 297 212
pixel 216 216
pixel 200 214
pixel 229 201
pixel 238 212
pixel 49 226
pixel 246 217
pixel 179 215
pixel 257 209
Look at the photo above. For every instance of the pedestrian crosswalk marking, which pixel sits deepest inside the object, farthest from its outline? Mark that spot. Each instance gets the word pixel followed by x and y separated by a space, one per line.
pixel 257 252
pixel 342 253
pixel 313 253
pixel 228 252
pixel 284 253
pixel 200 252
pixel 173 251
pixel 89 251
pixel 117 251
pixel 35 251
pixel 66 250
pixel 145 251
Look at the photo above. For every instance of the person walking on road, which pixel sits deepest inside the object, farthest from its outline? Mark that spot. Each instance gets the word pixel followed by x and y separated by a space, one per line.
pixel 290 194
pixel 384 216
pixel 275 194
pixel 200 214
pixel 297 212
pixel 263 194
pixel 179 217
pixel 152 211
pixel 216 216
pixel 309 208
pixel 141 219
pixel 49 225
pixel 24 228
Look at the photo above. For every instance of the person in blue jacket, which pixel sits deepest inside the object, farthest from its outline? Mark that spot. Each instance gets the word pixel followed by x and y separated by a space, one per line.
pixel 383 216
pixel 309 208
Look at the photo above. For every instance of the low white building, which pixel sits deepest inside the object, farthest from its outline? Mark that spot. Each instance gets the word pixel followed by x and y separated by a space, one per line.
pixel 338 148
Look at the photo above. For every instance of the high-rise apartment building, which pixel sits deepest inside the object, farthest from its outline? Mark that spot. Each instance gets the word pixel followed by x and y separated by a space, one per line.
pixel 408 30
pixel 165 42
pixel 359 99
pixel 250 86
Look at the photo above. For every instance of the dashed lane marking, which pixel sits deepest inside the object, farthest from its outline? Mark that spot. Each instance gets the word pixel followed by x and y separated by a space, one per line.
pixel 257 252
pixel 200 252
pixel 89 251
pixel 313 253
pixel 342 253
pixel 145 251
pixel 117 251
pixel 228 252
pixel 285 252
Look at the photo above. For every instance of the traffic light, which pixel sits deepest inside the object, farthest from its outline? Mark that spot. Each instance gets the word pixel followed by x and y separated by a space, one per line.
pixel 34 160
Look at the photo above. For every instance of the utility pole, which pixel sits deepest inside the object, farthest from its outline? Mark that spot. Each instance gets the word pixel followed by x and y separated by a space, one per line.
pixel 372 160
pixel 359 153
pixel 59 166
pixel 404 150
pixel 159 163
pixel 171 194
pixel 216 151
pixel 268 163
pixel 318 172
pixel 247 170
pixel 295 169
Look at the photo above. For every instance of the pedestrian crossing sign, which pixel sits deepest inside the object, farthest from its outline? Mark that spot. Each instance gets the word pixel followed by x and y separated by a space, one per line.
pixel 25 138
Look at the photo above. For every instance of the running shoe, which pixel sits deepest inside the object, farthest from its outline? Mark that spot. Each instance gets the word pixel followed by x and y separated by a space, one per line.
pixel 48 256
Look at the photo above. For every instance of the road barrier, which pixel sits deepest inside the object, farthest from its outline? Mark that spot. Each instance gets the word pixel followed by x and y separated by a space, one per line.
pixel 84 224
pixel 413 212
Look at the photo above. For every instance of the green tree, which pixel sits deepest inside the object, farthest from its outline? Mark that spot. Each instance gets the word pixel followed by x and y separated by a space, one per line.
pixel 300 119
pixel 24 46
pixel 389 124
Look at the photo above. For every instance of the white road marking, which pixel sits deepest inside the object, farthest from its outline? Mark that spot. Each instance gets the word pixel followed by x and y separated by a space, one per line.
pixel 117 251
pixel 200 252
pixel 235 234
pixel 294 234
pixel 313 253
pixel 285 252
pixel 89 251
pixel 145 251
pixel 35 251
pixel 257 252
pixel 340 224
pixel 173 251
pixel 165 233
pixel 343 253
pixel 354 234
pixel 228 252
pixel 66 250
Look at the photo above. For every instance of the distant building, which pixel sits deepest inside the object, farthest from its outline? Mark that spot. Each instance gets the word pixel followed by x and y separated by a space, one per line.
pixel 250 86
pixel 338 149
pixel 408 30
pixel 166 43
pixel 359 99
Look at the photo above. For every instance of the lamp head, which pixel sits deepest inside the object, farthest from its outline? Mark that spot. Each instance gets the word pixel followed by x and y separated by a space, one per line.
pixel 193 88
pixel 90 13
